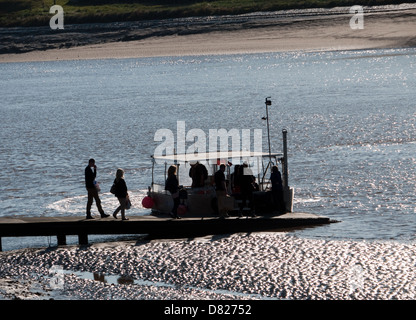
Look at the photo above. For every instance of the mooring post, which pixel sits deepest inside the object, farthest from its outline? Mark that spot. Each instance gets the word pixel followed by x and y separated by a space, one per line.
pixel 83 239
pixel 61 239
pixel 287 191
pixel 285 167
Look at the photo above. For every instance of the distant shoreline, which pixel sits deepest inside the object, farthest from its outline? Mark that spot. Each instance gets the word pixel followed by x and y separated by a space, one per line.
pixel 262 32
pixel 29 13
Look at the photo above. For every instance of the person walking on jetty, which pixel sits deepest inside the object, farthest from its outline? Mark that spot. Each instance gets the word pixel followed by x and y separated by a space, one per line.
pixel 90 184
pixel 120 191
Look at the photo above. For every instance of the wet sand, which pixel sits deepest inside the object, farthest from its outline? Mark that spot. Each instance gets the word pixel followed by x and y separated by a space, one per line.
pixel 245 267
pixel 386 29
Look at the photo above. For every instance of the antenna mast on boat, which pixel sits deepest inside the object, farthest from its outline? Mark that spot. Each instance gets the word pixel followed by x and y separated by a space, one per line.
pixel 268 103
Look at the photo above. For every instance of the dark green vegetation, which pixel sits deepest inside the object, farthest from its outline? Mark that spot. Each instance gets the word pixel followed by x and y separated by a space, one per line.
pixel 36 12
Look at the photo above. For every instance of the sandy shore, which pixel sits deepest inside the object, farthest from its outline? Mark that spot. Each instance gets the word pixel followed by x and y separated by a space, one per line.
pixel 244 267
pixel 386 29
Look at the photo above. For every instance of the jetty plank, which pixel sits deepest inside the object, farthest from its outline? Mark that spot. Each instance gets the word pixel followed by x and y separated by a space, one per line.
pixel 153 226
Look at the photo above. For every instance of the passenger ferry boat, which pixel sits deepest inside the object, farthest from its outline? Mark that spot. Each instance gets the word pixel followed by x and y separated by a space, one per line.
pixel 202 201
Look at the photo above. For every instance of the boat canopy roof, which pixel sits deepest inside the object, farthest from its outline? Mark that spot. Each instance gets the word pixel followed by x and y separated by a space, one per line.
pixel 206 156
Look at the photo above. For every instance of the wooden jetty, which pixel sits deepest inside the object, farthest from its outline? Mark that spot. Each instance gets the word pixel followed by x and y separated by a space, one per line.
pixel 155 227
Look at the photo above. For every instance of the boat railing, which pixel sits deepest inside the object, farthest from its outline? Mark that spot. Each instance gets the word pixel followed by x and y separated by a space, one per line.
pixel 159 188
pixel 207 190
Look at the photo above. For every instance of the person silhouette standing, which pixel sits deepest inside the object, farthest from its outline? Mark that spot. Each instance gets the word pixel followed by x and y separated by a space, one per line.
pixel 277 189
pixel 90 175
pixel 199 173
pixel 172 185
pixel 121 193
pixel 221 191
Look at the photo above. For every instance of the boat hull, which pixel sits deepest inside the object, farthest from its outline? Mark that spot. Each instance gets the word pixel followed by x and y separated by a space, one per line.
pixel 203 203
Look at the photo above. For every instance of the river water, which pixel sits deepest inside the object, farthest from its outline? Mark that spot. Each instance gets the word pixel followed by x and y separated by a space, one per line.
pixel 351 121
pixel 350 117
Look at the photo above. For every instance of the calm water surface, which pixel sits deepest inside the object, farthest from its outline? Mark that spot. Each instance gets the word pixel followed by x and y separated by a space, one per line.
pixel 351 118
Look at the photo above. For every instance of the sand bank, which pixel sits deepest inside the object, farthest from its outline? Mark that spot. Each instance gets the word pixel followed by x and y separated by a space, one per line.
pixel 386 29
pixel 253 266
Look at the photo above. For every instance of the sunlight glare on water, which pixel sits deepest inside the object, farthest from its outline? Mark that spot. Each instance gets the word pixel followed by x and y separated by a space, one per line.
pixel 350 117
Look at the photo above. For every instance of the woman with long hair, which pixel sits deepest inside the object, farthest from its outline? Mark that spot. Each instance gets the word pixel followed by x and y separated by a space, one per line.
pixel 121 194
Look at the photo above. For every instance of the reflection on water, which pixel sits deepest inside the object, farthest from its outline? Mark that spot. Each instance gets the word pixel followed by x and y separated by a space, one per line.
pixel 272 265
pixel 128 280
pixel 110 279
pixel 350 117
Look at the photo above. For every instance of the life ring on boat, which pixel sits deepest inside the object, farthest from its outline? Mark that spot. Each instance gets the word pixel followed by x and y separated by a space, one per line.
pixel 147 202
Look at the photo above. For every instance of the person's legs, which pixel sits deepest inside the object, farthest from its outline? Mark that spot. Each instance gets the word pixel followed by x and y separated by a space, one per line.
pixel 93 195
pixel 221 205
pixel 176 203
pixel 97 199
pixel 122 207
pixel 89 203
pixel 116 211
